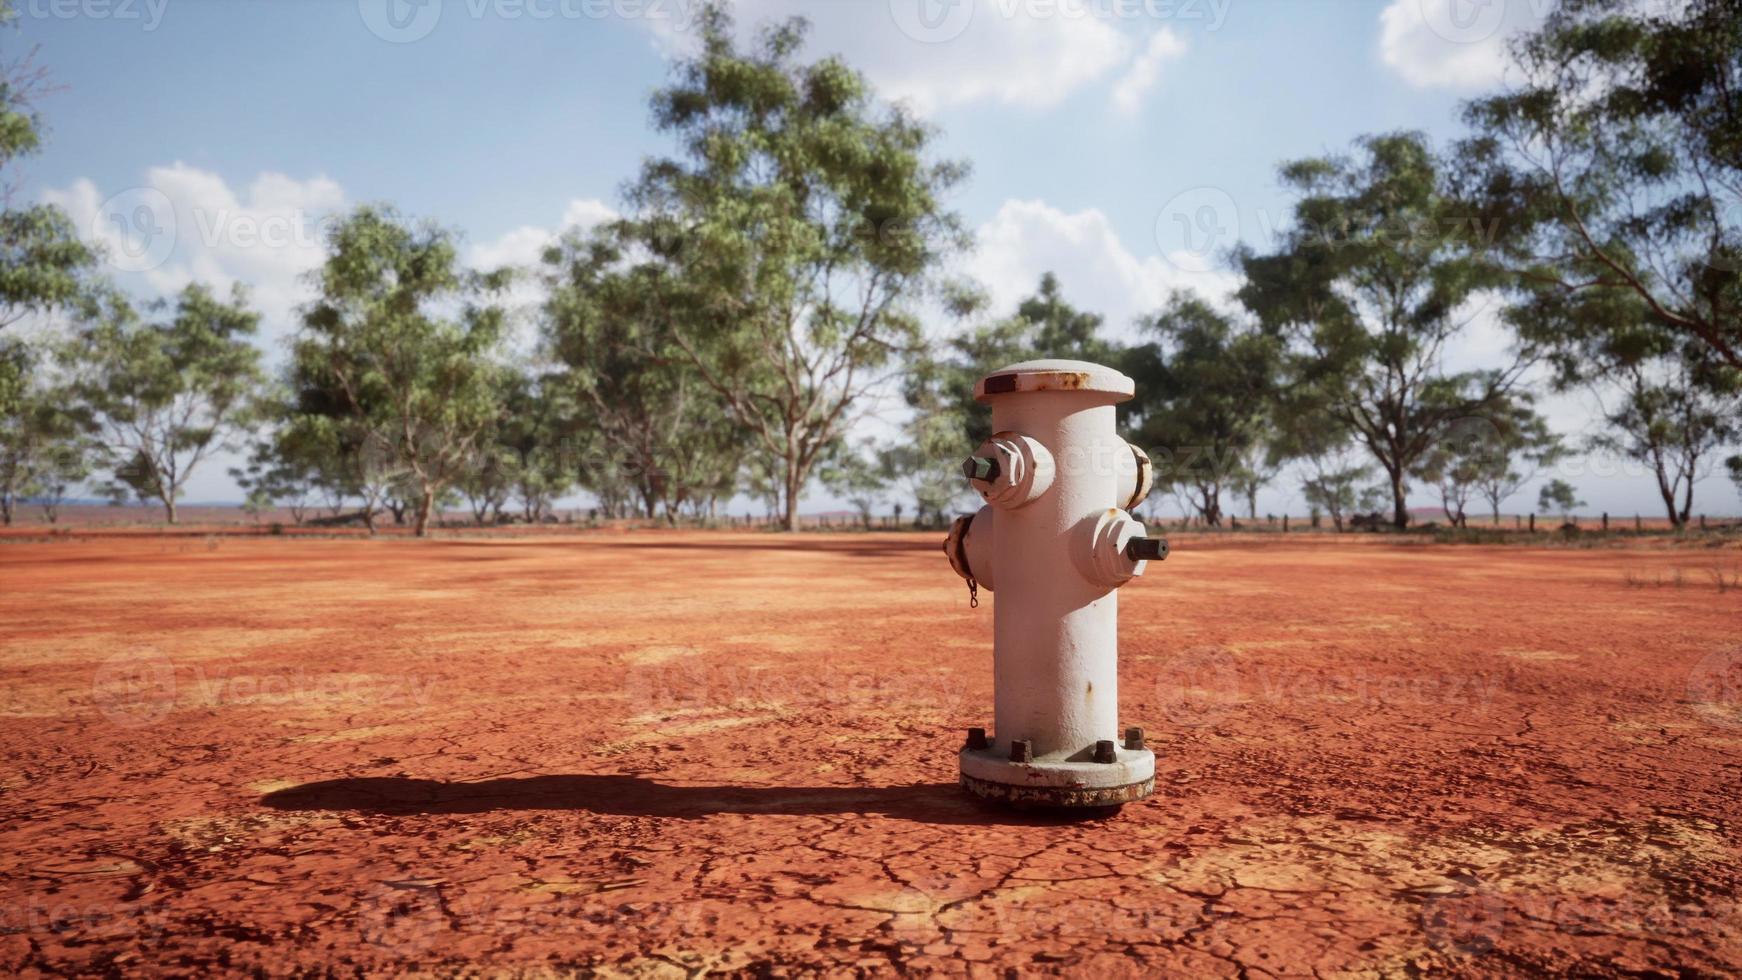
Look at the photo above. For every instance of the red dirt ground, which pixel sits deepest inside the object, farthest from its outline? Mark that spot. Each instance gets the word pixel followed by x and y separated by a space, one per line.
pixel 666 753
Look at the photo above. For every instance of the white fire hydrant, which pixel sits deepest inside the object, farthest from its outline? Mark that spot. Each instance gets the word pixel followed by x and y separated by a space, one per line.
pixel 1054 543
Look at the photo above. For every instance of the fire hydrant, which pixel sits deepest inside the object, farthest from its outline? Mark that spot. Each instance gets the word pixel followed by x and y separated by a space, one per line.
pixel 1054 543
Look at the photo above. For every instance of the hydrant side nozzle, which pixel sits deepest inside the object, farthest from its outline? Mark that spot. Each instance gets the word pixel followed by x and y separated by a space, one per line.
pixel 982 468
pixel 1146 549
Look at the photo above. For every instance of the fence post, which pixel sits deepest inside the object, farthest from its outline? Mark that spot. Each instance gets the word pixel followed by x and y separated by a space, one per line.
pixel 1605 520
pixel 1517 522
pixel 1702 522
pixel 1285 523
pixel 1638 523
pixel 1533 523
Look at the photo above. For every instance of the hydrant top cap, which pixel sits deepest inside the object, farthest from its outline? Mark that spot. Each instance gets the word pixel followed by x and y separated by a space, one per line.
pixel 1054 375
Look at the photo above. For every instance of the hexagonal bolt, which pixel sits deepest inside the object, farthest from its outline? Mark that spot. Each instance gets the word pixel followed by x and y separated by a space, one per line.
pixel 982 468
pixel 1021 750
pixel 1146 549
pixel 1134 738
pixel 1105 752
pixel 977 739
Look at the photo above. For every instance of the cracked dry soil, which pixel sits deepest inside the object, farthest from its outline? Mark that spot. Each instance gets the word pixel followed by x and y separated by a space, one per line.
pixel 660 754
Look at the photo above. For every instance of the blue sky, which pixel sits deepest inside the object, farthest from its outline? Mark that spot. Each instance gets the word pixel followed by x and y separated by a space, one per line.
pixel 1098 130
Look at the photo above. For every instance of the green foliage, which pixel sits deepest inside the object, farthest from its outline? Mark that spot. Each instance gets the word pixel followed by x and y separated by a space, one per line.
pixel 1204 388
pixel 663 433
pixel 1558 495
pixel 1672 416
pixel 1613 171
pixel 941 386
pixel 856 474
pixel 932 486
pixel 1367 288
pixel 799 225
pixel 289 467
pixel 403 340
pixel 43 446
pixel 163 396
pixel 534 433
pixel 43 264
pixel 1490 455
pixel 1332 483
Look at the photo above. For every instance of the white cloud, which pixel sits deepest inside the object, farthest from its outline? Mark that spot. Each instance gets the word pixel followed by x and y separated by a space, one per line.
pixel 523 246
pixel 1164 45
pixel 522 249
pixel 182 225
pixel 1032 55
pixel 1457 44
pixel 1095 269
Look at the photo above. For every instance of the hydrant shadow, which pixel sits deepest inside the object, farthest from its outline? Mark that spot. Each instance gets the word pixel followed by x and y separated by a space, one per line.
pixel 627 795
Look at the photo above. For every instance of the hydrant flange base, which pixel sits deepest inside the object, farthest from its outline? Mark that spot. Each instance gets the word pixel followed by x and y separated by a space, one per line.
pixel 990 774
pixel 1058 796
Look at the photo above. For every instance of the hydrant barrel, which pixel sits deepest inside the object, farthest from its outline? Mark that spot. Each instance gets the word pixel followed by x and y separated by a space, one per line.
pixel 1058 479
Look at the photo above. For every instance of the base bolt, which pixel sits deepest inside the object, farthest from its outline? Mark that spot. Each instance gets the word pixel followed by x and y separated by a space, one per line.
pixel 977 739
pixel 1021 750
pixel 1104 751
pixel 1134 738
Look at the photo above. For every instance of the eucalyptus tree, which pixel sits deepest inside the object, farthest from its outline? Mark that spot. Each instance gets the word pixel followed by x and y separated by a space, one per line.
pixel 536 410
pixel 1613 165
pixel 803 220
pixel 854 473
pixel 43 445
pixel 43 263
pixel 407 340
pixel 1559 495
pixel 1490 456
pixel 1043 325
pixel 162 396
pixel 1370 282
pixel 270 477
pixel 1673 421
pixel 1336 482
pixel 613 327
pixel 1205 384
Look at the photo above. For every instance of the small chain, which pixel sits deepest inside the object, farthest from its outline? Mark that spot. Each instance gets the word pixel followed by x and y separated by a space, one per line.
pixel 973 594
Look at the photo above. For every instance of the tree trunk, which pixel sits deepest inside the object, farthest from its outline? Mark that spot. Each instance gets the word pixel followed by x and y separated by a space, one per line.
pixel 169 508
pixel 6 510
pixel 425 503
pixel 1667 492
pixel 1400 506
pixel 789 506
